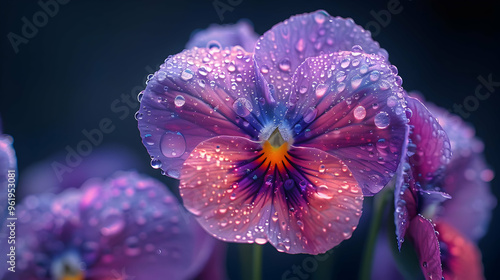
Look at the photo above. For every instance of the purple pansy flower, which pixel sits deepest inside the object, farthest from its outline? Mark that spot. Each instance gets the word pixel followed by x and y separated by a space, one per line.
pixel 435 193
pixel 239 34
pixel 128 227
pixel 279 145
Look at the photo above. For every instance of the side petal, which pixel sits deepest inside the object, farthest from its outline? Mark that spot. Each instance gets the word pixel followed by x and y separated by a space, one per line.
pixel 230 35
pixel 283 48
pixel 461 257
pixel 405 200
pixel 301 201
pixel 354 110
pixel 196 95
pixel 430 147
pixel 425 240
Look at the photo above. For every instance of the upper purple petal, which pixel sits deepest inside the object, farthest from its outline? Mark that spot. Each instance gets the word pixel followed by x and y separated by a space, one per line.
pixel 196 95
pixel 351 105
pixel 230 35
pixel 282 49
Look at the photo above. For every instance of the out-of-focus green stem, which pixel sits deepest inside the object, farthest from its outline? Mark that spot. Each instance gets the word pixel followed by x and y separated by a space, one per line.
pixel 257 262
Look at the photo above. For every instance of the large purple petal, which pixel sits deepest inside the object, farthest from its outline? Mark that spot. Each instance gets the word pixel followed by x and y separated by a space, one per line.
pixel 230 35
pixel 301 200
pixel 196 95
pixel 351 105
pixel 282 49
pixel 425 240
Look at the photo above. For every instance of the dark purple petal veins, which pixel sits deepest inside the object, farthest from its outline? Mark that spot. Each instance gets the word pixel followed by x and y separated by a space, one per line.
pixel 425 240
pixel 301 200
pixel 196 95
pixel 230 35
pixel 282 49
pixel 351 105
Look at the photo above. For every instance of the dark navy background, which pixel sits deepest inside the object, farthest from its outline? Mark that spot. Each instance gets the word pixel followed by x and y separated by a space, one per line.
pixel 93 55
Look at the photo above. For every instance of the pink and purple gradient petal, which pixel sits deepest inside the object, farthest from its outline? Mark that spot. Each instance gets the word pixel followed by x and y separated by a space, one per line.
pixel 461 258
pixel 230 35
pixel 351 105
pixel 425 240
pixel 196 95
pixel 280 51
pixel 301 200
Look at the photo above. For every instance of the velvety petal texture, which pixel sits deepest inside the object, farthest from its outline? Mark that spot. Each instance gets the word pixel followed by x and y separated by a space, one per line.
pixel 226 36
pixel 302 201
pixel 128 225
pixel 351 105
pixel 196 95
pixel 280 51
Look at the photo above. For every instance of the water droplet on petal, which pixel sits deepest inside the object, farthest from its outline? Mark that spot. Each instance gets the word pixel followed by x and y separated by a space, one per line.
pixel 360 112
pixel 242 107
pixel 374 75
pixel 382 120
pixel 172 144
pixel 300 45
pixel 179 101
pixel 323 192
pixel 260 241
pixel 320 90
pixel 264 69
pixel 310 115
pixel 285 65
pixel 289 184
pixel 187 74
pixel 156 163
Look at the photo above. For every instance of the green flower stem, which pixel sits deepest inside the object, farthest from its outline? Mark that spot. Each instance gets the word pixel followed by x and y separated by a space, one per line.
pixel 379 204
pixel 257 262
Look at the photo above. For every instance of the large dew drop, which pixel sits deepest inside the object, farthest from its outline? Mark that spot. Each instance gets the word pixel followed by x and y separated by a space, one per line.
pixel 359 112
pixel 242 107
pixel 187 74
pixel 179 100
pixel 285 65
pixel 382 120
pixel 172 144
pixel 320 90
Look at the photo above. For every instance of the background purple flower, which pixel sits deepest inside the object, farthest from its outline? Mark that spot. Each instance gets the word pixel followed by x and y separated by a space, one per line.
pixel 129 224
